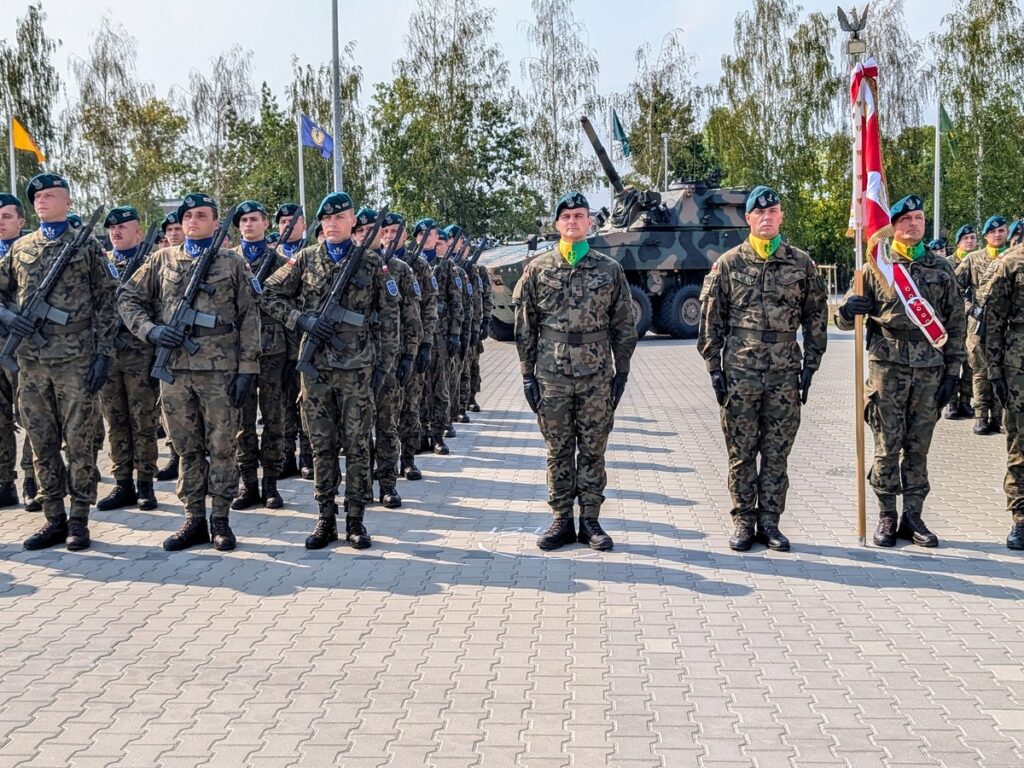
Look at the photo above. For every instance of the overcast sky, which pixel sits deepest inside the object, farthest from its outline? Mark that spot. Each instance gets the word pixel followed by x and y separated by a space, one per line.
pixel 186 34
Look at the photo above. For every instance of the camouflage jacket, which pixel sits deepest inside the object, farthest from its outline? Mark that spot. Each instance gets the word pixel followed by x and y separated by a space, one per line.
pixel 592 297
pixel 275 339
pixel 474 303
pixel 410 324
pixel 85 291
pixel 449 298
pixel 487 291
pixel 937 283
pixel 747 293
pixel 149 299
pixel 970 276
pixel 128 346
pixel 428 298
pixel 306 279
pixel 1004 317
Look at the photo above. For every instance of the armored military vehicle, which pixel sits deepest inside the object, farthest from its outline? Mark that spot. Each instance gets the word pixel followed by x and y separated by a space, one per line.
pixel 666 241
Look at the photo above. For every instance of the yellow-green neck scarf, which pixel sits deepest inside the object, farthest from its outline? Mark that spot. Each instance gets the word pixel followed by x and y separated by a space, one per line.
pixel 573 252
pixel 993 251
pixel 911 252
pixel 960 253
pixel 764 248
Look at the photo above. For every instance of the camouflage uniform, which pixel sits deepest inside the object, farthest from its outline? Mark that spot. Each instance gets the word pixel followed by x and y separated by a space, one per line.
pixel 437 391
pixel 904 373
pixel 751 311
pixel 54 407
pixel 572 323
pixel 338 404
pixel 965 388
pixel 458 361
pixel 487 293
pixel 409 421
pixel 201 422
pixel 476 298
pixel 970 276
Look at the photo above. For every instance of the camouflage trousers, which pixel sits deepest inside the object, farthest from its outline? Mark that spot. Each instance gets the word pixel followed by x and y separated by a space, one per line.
pixel 58 414
pixel 268 396
pixel 202 425
pixel 1013 483
pixel 576 418
pixel 901 411
pixel 984 400
pixel 409 431
pixel 8 440
pixel 456 364
pixel 965 387
pixel 438 391
pixel 760 420
pixel 386 444
pixel 129 405
pixel 474 374
pixel 293 420
pixel 466 390
pixel 337 411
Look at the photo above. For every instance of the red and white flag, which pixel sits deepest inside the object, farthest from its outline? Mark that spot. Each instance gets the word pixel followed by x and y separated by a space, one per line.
pixel 869 211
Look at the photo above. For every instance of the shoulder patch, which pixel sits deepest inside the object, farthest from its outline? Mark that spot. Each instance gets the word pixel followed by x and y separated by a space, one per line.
pixel 385 268
pixel 469 288
pixel 458 282
pixel 433 282
pixel 392 286
pixel 113 271
pixel 416 288
pixel 256 286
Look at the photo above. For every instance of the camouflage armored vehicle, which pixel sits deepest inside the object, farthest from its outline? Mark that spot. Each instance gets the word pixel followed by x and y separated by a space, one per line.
pixel 666 241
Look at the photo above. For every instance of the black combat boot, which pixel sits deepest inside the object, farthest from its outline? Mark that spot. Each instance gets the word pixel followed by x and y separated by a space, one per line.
pixel 912 527
pixel 885 532
pixel 562 531
pixel 592 534
pixel 29 489
pixel 743 537
pixel 289 468
pixel 147 498
pixel 951 409
pixel 355 531
pixel 410 471
pixel 768 533
pixel 78 534
pixel 995 421
pixel 966 410
pixel 249 496
pixel 439 446
pixel 450 431
pixel 981 422
pixel 462 418
pixel 123 495
pixel 389 497
pixel 306 465
pixel 473 407
pixel 271 498
pixel 192 532
pixel 169 471
pixel 426 444
pixel 223 537
pixel 53 532
pixel 1016 538
pixel 326 529
pixel 8 495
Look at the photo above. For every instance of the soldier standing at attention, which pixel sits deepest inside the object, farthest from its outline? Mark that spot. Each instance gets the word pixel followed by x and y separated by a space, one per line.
pixel 575 335
pixel 475 301
pixel 292 423
pixel 971 275
pixel 338 400
pixel 447 341
pixel 59 382
pixel 909 378
pixel 757 296
pixel 12 219
pixel 487 294
pixel 267 449
pixel 175 236
pixel 129 398
pixel 202 404
pixel 965 242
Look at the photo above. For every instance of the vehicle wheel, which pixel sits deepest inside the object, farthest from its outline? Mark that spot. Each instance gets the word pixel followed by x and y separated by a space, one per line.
pixel 679 313
pixel 502 331
pixel 642 310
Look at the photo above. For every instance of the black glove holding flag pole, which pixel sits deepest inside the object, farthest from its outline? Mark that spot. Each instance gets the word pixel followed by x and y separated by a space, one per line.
pixel 855 304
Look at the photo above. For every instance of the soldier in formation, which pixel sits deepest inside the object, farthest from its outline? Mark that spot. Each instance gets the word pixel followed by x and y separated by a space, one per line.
pixel 12 220
pixel 965 242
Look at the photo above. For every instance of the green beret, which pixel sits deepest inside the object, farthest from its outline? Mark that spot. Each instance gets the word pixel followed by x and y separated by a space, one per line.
pixel 938 244
pixel 964 231
pixel 74 220
pixel 286 209
pixel 335 202
pixel 423 224
pixel 120 215
pixel 196 200
pixel 571 200
pixel 170 218
pixel 273 237
pixel 904 206
pixel 393 217
pixel 1016 229
pixel 248 206
pixel 994 222
pixel 452 231
pixel 762 197
pixel 442 234
pixel 366 216
pixel 6 198
pixel 45 181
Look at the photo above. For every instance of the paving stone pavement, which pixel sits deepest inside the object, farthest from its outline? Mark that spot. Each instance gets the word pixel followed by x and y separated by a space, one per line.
pixel 455 642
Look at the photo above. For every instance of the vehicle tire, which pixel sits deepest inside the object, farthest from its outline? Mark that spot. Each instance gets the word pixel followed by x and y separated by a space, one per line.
pixel 642 310
pixel 502 331
pixel 679 313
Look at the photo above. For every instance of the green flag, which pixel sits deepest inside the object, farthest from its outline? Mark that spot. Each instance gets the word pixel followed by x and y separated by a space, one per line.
pixel 620 135
pixel 946 129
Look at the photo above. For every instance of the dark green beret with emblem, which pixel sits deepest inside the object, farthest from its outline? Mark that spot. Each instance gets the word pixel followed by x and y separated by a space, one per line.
pixel 286 209
pixel 6 198
pixel 938 244
pixel 964 231
pixel 422 225
pixel 366 216
pixel 442 234
pixel 393 217
pixel 120 215
pixel 45 181
pixel 905 205
pixel 273 237
pixel 452 231
pixel 994 222
pixel 170 218
pixel 762 197
pixel 1016 229
pixel 248 206
pixel 569 201
pixel 196 200
pixel 74 220
pixel 335 202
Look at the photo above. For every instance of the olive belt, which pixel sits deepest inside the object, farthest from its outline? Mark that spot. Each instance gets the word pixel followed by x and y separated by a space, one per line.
pixel 52 329
pixel 768 337
pixel 573 338
pixel 217 330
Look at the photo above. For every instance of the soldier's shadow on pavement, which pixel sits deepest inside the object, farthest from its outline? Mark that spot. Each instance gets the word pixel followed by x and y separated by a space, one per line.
pixel 9 588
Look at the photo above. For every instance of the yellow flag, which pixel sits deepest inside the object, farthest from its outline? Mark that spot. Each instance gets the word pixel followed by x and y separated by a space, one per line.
pixel 24 142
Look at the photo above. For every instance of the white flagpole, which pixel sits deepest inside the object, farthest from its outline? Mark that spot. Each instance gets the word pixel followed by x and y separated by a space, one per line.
pixel 938 171
pixel 302 178
pixel 858 328
pixel 11 155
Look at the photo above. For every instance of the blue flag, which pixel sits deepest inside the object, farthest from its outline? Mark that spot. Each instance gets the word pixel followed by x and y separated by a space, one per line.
pixel 315 137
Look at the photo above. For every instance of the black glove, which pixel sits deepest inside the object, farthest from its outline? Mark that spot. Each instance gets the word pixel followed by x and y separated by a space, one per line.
pixel 947 388
pixel 404 370
pixel 288 372
pixel 718 384
pixel 855 305
pixel 531 388
pixel 17 324
pixel 999 389
pixel 805 383
pixel 377 379
pixel 618 388
pixel 474 340
pixel 454 342
pixel 976 311
pixel 485 330
pixel 423 358
pixel 96 376
pixel 166 336
pixel 462 345
pixel 317 329
pixel 239 388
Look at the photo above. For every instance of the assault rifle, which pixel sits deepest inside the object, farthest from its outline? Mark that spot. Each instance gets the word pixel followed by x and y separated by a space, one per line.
pixel 37 306
pixel 185 316
pixel 413 253
pixel 393 245
pixel 270 258
pixel 129 269
pixel 330 311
